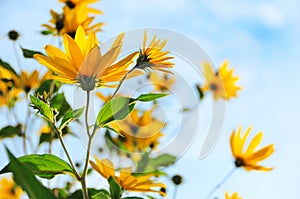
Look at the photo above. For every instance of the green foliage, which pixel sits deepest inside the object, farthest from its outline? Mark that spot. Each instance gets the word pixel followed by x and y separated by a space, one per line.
pixel 45 166
pixel 118 108
pixel 25 178
pixel 93 194
pixel 46 32
pixel 70 116
pixel 60 103
pixel 163 160
pixel 29 53
pixel 114 188
pixel 10 131
pixel 47 137
pixel 43 108
pixel 46 87
pixel 150 97
pixel 133 197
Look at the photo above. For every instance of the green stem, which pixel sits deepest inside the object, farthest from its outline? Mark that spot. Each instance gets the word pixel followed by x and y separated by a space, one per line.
pixel 121 82
pixel 87 158
pixel 17 56
pixel 59 135
pixel 220 183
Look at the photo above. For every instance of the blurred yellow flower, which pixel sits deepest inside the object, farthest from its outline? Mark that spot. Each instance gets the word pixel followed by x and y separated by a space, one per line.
pixel 31 81
pixel 220 83
pixel 83 64
pixel 161 82
pixel 126 179
pixel 74 4
pixel 70 20
pixel 249 158
pixel 233 196
pixel 153 56
pixel 138 133
pixel 9 190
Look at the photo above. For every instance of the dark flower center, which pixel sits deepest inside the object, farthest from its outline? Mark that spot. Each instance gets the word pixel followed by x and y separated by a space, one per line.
pixel 27 89
pixel 213 87
pixel 59 24
pixel 177 179
pixel 239 162
pixel 72 34
pixel 70 4
pixel 1 93
pixel 13 35
pixel 143 61
pixel 163 190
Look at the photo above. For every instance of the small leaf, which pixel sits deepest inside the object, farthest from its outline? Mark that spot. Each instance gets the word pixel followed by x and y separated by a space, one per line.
pixel 71 116
pixel 44 166
pixel 29 53
pixel 101 195
pixel 150 97
pixel 46 85
pixel 142 164
pixel 45 110
pixel 114 188
pixel 59 102
pixel 46 32
pixel 163 160
pixel 91 191
pixel 7 66
pixel 200 92
pixel 25 178
pixel 116 109
pixel 10 131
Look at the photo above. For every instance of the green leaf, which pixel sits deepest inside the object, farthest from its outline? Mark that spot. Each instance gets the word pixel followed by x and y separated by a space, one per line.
pixel 163 160
pixel 44 166
pixel 200 92
pixel 60 103
pixel 150 97
pixel 25 178
pixel 45 110
pixel 133 197
pixel 29 53
pixel 114 188
pixel 7 66
pixel 116 109
pixel 10 131
pixel 91 191
pixel 71 116
pixel 101 195
pixel 46 32
pixel 46 85
pixel 142 164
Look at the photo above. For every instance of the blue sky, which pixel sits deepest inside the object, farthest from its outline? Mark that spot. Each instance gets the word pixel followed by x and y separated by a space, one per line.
pixel 261 41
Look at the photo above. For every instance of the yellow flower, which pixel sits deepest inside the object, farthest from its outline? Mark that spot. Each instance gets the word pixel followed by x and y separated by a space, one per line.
pixel 234 196
pixel 83 64
pixel 126 180
pixel 161 82
pixel 74 4
pixel 9 190
pixel 250 157
pixel 70 20
pixel 220 83
pixel 45 129
pixel 153 56
pixel 138 133
pixel 31 81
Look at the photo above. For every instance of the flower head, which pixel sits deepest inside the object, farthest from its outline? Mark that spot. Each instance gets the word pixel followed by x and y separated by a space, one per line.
pixel 138 133
pixel 220 83
pixel 13 35
pixel 128 181
pixel 153 56
pixel 83 63
pixel 250 157
pixel 74 4
pixel 70 20
pixel 161 82
pixel 233 196
pixel 9 190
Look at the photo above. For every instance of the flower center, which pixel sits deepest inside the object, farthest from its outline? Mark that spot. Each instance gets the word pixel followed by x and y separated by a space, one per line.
pixel 239 162
pixel 177 179
pixel 143 61
pixel 71 34
pixel 87 83
pixel 13 35
pixel 27 89
pixel 213 86
pixel 59 24
pixel 70 4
